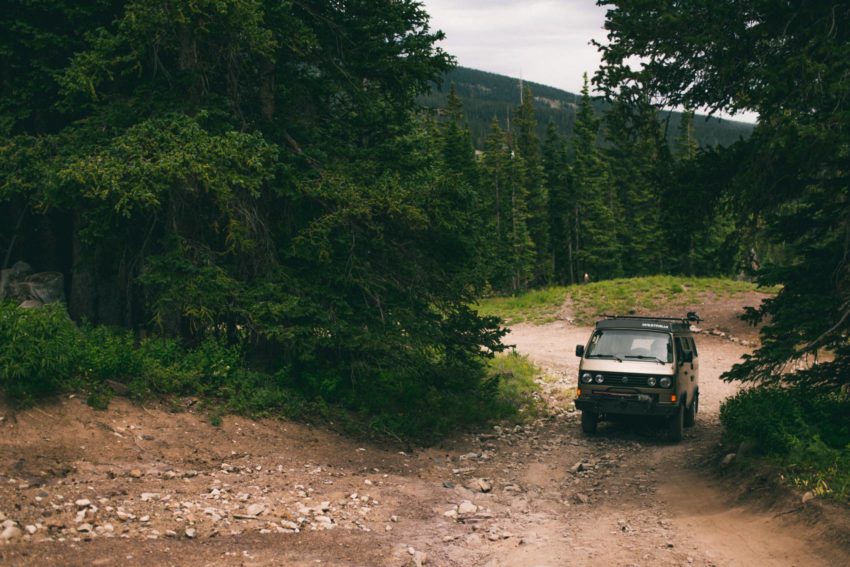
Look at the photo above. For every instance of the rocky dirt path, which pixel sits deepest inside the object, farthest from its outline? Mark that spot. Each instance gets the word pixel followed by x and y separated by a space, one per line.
pixel 145 486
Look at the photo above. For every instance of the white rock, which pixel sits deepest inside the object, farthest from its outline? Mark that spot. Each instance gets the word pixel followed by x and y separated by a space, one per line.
pixel 255 509
pixel 148 496
pixel 11 532
pixel 83 503
pixel 466 507
pixel 31 529
pixel 190 533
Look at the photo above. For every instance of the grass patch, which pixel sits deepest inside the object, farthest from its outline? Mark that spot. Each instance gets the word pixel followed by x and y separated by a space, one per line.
pixel 805 433
pixel 620 296
pixel 516 375
pixel 537 306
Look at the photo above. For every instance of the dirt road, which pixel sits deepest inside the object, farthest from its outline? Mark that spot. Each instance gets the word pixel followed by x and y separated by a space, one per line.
pixel 144 486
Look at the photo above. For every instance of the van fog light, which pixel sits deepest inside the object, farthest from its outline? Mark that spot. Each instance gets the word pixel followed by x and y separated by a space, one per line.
pixel 665 382
pixel 586 378
pixel 599 379
pixel 651 381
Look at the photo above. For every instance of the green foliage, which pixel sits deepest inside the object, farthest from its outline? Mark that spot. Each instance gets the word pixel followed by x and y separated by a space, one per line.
pixel 596 249
pixel 38 354
pixel 640 170
pixel 527 145
pixel 510 255
pixel 805 432
pixel 429 394
pixel 789 180
pixel 516 374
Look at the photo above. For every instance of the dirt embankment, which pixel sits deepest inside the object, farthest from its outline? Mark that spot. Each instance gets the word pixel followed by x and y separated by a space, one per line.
pixel 142 486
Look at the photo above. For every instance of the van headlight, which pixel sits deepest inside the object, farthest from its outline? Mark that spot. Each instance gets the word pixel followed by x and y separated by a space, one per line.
pixel 651 381
pixel 599 378
pixel 665 382
pixel 586 378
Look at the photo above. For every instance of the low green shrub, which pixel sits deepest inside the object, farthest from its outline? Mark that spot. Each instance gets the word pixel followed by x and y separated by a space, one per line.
pixel 42 353
pixel 807 433
pixel 38 352
pixel 429 406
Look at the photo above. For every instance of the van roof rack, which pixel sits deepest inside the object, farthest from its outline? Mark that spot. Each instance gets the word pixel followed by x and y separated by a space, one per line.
pixel 691 317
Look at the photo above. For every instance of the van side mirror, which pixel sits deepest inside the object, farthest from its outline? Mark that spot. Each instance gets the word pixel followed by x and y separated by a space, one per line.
pixel 687 356
pixel 579 350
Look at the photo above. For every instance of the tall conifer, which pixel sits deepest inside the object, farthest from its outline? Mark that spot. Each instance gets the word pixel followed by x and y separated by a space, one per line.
pixel 503 186
pixel 597 252
pixel 527 145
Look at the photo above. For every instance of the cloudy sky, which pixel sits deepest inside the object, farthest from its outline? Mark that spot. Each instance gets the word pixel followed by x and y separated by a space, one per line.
pixel 545 41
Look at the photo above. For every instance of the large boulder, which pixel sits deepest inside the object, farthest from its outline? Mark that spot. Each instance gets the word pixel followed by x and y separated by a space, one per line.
pixel 31 289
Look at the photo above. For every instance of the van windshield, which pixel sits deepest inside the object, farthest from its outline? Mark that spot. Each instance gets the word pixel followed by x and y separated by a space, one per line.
pixel 633 345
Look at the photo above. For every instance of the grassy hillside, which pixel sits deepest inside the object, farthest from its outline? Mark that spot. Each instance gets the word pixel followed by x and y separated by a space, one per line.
pixel 621 296
pixel 486 95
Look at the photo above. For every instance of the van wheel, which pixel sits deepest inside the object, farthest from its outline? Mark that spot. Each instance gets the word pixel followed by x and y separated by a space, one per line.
pixel 691 412
pixel 589 421
pixel 676 424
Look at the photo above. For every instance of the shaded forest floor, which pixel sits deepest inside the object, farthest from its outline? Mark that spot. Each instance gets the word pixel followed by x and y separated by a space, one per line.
pixel 144 486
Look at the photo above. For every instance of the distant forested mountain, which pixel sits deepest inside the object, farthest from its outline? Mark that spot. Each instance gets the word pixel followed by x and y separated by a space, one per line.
pixel 487 95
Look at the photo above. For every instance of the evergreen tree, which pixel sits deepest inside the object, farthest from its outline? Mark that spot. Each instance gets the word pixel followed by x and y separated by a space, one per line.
pixel 527 145
pixel 250 169
pixel 561 204
pixel 595 246
pixel 635 151
pixel 686 139
pixel 457 149
pixel 792 175
pixel 460 170
pixel 511 254
pixel 701 233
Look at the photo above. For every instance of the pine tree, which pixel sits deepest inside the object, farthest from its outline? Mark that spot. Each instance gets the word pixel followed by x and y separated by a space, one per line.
pixel 527 145
pixel 561 204
pixel 511 253
pixel 636 151
pixel 596 250
pixel 458 151
pixel 460 170
pixel 686 139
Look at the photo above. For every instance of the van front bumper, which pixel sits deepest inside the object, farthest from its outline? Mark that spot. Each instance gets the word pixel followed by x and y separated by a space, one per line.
pixel 625 404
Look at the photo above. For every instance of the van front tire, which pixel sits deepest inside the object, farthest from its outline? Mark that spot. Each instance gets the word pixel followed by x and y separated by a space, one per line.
pixel 589 421
pixel 676 424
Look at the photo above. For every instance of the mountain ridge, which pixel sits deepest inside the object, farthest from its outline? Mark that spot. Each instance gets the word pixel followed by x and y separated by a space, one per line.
pixel 486 95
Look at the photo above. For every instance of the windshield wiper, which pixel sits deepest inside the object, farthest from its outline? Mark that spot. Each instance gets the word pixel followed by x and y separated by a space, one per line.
pixel 645 357
pixel 614 356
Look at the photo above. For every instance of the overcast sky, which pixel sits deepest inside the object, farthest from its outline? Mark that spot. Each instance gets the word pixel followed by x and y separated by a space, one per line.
pixel 545 41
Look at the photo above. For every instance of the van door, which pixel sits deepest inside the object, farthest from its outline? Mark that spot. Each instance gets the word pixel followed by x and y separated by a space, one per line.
pixel 685 371
pixel 696 361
